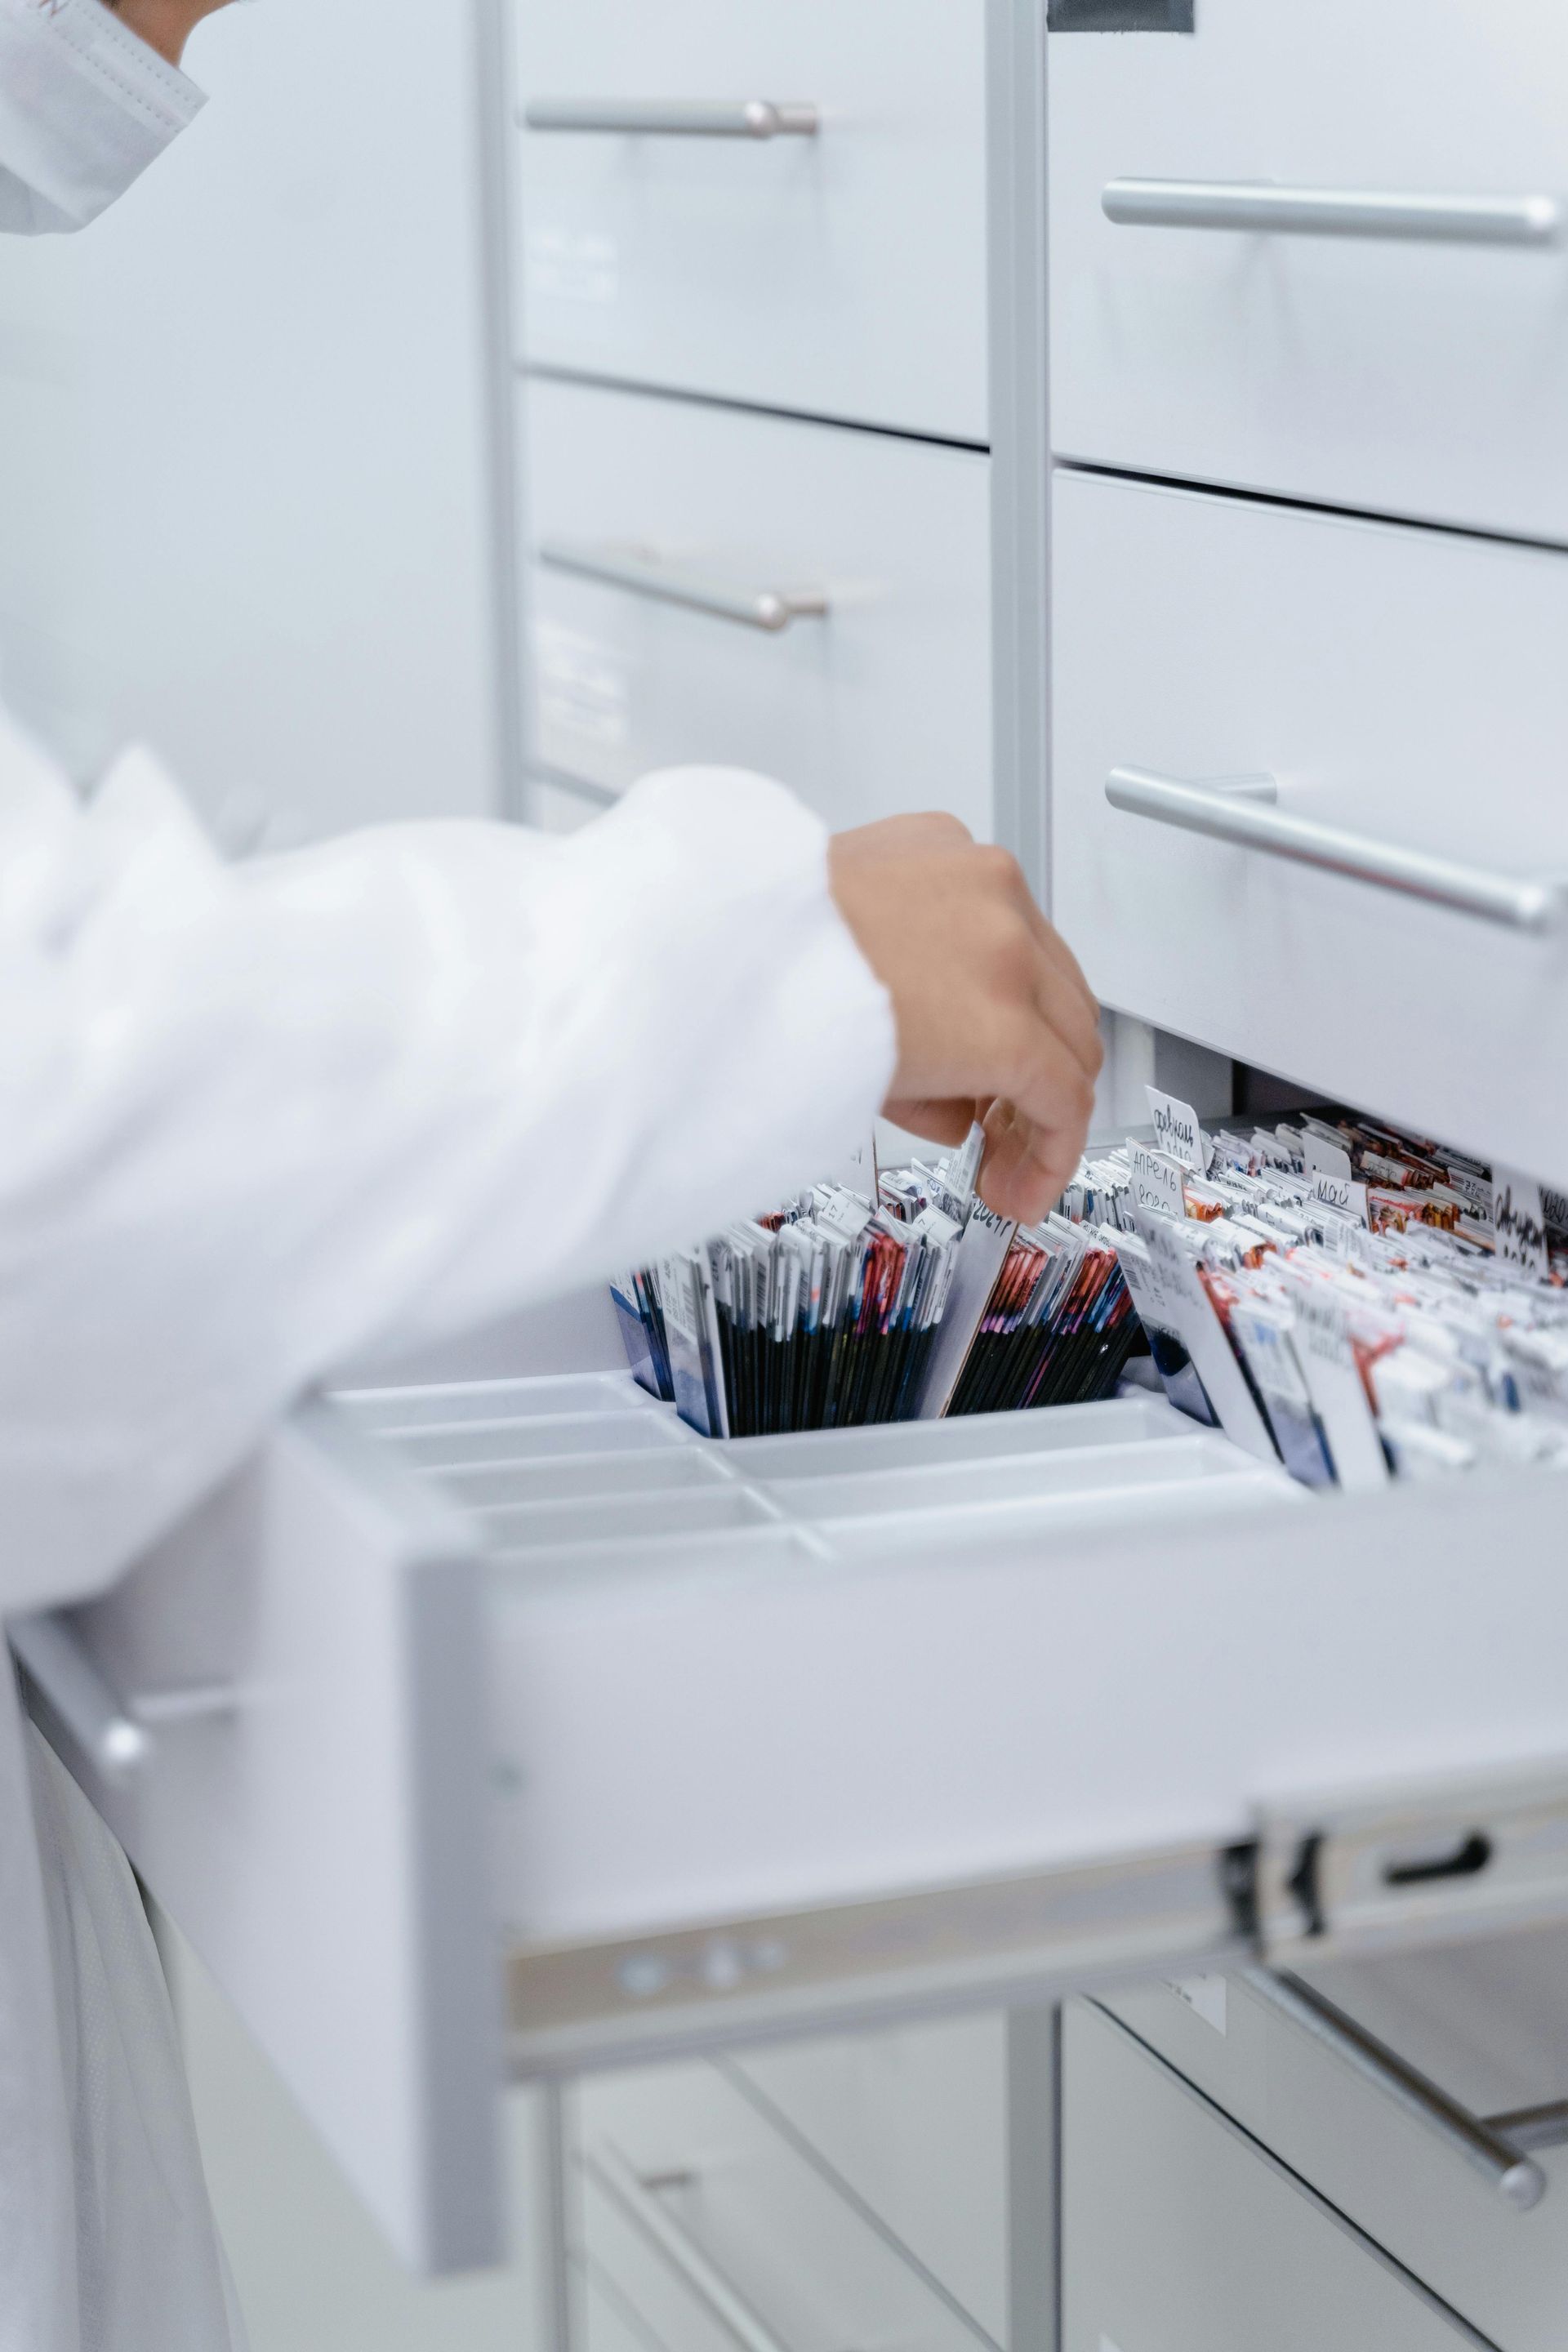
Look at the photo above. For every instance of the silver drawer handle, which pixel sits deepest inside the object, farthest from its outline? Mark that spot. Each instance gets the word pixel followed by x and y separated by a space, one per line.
pixel 1333 211
pixel 643 2207
pixel 677 118
pixel 115 1733
pixel 669 583
pixel 1236 812
pixel 1517 2180
pixel 55 1661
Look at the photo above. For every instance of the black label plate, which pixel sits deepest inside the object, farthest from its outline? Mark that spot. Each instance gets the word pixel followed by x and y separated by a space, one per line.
pixel 1120 15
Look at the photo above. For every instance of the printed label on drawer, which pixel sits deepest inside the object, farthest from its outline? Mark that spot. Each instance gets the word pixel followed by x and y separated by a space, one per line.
pixel 582 690
pixel 1176 1131
pixel 1204 1996
pixel 1157 1181
pixel 1340 1192
pixel 571 265
pixel 1519 1216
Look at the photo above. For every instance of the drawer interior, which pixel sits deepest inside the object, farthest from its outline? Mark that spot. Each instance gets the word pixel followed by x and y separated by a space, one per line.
pixel 556 1473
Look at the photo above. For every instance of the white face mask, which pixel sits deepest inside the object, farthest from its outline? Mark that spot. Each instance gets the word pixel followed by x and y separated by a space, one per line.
pixel 85 106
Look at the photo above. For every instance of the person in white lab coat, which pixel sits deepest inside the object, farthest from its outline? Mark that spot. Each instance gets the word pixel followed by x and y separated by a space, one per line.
pixel 252 1117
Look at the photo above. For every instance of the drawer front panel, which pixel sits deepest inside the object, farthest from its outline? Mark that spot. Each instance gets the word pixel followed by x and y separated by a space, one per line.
pixel 1178 2234
pixel 916 2122
pixel 839 274
pixel 748 2209
pixel 1486 2023
pixel 1404 685
pixel 1409 375
pixel 880 703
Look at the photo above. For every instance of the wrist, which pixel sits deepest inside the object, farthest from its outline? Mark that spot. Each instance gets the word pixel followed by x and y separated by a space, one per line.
pixel 164 24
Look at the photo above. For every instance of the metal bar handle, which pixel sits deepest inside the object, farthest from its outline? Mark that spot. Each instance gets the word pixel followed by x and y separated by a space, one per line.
pixel 677 118
pixel 1516 2179
pixel 770 609
pixel 1234 815
pixel 1258 204
pixel 641 2206
pixel 55 1661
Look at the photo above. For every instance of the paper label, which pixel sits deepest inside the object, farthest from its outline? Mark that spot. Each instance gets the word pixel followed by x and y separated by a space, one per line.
pixel 1340 1192
pixel 582 690
pixel 573 265
pixel 1157 1181
pixel 1204 1996
pixel 1324 1158
pixel 1197 1325
pixel 1176 1131
pixel 1518 1218
pixel 1327 1357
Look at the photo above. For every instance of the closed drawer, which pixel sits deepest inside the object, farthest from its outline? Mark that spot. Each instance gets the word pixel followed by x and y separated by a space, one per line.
pixel 838 270
pixel 687 2193
pixel 1403 686
pixel 1179 2235
pixel 915 2122
pixel 1488 2023
pixel 1425 376
pixel 878 702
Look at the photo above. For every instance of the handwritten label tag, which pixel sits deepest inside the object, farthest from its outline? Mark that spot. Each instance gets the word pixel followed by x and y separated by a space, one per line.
pixel 1204 1996
pixel 1324 1158
pixel 1340 1192
pixel 1157 1181
pixel 1176 1131
pixel 1519 1216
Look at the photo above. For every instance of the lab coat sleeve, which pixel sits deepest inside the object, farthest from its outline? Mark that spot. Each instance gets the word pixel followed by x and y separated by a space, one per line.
pixel 254 1119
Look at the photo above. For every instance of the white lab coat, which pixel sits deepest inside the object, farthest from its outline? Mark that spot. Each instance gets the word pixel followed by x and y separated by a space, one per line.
pixel 251 1119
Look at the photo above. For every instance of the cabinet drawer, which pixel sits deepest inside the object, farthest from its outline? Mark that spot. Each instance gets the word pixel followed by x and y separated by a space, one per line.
pixel 1422 375
pixel 840 273
pixel 1179 2235
pixel 915 2122
pixel 684 2184
pixel 1403 686
pixel 1488 2023
pixel 877 703
pixel 942 1713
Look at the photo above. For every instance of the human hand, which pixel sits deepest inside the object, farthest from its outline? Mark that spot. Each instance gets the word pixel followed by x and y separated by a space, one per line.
pixel 994 1020
pixel 164 24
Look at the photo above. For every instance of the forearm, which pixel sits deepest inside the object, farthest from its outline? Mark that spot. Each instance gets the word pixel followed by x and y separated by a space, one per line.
pixel 256 1119
pixel 164 24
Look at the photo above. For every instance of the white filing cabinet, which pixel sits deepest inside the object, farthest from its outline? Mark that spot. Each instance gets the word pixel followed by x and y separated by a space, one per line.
pixel 1320 252
pixel 751 326
pixel 1486 2025
pixel 782 204
pixel 1404 688
pixel 503 1728
pixel 1178 2232
pixel 710 584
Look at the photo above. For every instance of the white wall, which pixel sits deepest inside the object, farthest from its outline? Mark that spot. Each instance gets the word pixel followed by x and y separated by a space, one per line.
pixel 245 497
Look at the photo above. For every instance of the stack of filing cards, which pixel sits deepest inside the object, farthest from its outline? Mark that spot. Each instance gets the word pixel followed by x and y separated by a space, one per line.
pixel 908 1302
pixel 1358 1304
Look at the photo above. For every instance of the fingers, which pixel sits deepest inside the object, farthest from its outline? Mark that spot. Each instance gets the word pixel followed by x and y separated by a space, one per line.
pixel 1037 1130
pixel 939 1122
pixel 1025 1168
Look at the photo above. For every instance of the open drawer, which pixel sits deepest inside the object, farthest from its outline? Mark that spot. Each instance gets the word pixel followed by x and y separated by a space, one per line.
pixel 522 1683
